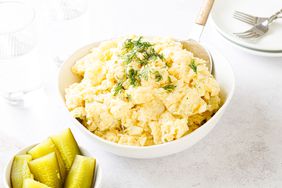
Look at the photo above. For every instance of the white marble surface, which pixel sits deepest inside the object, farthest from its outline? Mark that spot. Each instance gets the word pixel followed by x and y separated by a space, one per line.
pixel 244 150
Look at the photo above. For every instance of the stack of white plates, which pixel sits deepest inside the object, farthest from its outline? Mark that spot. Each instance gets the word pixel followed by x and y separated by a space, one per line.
pixel 226 25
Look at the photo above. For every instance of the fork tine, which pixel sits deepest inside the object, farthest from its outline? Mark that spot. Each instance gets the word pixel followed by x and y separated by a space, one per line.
pixel 257 35
pixel 245 15
pixel 244 33
pixel 242 19
pixel 251 35
pixel 254 36
pixel 246 36
pixel 256 31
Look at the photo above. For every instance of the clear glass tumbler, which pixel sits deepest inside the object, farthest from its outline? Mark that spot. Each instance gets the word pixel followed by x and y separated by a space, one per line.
pixel 68 25
pixel 19 69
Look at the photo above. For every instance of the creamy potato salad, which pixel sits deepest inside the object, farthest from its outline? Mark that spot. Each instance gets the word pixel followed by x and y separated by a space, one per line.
pixel 142 92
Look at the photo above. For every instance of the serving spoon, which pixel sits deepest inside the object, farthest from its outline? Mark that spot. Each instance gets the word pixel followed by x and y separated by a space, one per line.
pixel 193 44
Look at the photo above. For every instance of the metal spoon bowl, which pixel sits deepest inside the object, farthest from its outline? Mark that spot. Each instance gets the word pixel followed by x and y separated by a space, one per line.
pixel 199 51
pixel 193 45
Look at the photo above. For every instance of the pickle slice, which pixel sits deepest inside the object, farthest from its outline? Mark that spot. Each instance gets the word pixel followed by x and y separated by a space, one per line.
pixel 20 170
pixel 30 183
pixel 46 147
pixel 46 170
pixel 81 173
pixel 67 146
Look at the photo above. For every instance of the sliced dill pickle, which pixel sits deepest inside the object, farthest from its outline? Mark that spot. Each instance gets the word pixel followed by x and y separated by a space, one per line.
pixel 46 147
pixel 67 146
pixel 46 170
pixel 81 173
pixel 20 170
pixel 30 183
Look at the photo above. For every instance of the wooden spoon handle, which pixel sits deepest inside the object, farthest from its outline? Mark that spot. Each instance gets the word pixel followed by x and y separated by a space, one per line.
pixel 204 12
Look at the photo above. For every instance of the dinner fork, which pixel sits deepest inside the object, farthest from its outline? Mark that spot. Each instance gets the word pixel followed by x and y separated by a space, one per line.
pixel 249 19
pixel 259 29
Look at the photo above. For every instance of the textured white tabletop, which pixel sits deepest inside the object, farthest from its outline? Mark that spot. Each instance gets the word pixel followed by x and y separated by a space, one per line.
pixel 244 149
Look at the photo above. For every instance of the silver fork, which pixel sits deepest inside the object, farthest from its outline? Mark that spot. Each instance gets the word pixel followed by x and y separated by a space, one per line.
pixel 260 24
pixel 249 19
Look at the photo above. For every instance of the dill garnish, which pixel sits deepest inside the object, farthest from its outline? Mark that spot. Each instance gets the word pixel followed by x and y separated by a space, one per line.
pixel 193 66
pixel 169 79
pixel 169 87
pixel 158 76
pixel 118 88
pixel 133 77
pixel 134 49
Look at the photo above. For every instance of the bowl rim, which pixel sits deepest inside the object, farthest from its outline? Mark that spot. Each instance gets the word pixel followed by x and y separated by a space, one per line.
pixel 97 179
pixel 87 47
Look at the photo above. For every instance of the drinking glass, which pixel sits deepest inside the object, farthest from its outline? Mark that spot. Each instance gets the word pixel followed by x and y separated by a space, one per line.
pixel 68 25
pixel 19 69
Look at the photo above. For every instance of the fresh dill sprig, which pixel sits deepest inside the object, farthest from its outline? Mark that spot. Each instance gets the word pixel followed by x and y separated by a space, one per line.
pixel 193 66
pixel 133 77
pixel 151 54
pixel 118 88
pixel 141 46
pixel 128 44
pixel 132 49
pixel 158 76
pixel 138 44
pixel 169 79
pixel 142 62
pixel 169 87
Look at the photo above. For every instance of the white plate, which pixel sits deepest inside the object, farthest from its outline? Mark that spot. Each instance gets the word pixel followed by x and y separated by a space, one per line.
pixel 254 52
pixel 227 25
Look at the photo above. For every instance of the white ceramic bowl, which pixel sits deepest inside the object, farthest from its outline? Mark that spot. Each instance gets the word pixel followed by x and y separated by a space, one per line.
pixel 223 73
pixel 7 171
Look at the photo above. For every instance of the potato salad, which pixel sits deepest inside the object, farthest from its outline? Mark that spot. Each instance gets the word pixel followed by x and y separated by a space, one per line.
pixel 141 92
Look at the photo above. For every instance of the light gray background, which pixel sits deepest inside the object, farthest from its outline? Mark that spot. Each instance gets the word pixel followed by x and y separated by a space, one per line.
pixel 244 150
